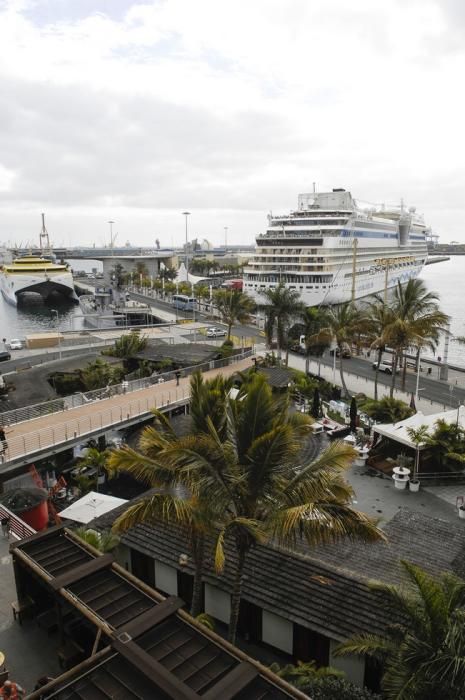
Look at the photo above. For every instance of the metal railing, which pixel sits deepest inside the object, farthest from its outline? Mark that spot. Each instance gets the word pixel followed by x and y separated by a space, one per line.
pixel 20 415
pixel 84 426
pixel 16 527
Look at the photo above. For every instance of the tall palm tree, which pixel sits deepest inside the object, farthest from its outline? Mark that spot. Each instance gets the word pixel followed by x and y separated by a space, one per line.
pixel 171 502
pixel 233 305
pixel 418 319
pixel 344 323
pixel 256 483
pixel 313 320
pixel 381 317
pixel 281 305
pixel 423 654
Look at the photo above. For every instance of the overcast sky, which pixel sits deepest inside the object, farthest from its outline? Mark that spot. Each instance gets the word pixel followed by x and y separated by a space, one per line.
pixel 137 111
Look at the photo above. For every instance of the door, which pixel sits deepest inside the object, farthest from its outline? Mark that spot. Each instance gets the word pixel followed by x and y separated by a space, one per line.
pixel 310 646
pixel 143 567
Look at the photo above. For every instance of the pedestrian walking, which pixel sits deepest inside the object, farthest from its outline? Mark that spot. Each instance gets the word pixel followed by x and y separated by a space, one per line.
pixel 3 441
pixel 177 374
pixel 5 526
pixel 12 690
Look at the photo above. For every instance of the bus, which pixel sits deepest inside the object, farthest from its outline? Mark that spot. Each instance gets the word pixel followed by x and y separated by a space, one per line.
pixel 183 302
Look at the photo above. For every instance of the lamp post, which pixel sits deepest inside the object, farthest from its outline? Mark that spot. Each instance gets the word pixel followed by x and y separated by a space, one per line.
pixel 418 375
pixel 111 234
pixel 225 237
pixel 186 214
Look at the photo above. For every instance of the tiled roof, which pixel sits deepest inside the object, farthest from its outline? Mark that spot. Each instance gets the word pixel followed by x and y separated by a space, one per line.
pixel 326 588
pixel 313 594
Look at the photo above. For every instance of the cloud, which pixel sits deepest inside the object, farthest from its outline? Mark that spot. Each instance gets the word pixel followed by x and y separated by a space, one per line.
pixel 228 109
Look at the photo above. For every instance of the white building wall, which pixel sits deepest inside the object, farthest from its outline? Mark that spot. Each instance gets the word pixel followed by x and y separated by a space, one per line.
pixel 123 556
pixel 353 666
pixel 166 578
pixel 277 631
pixel 217 603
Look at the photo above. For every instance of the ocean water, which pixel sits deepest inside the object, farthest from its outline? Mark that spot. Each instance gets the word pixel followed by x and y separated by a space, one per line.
pixel 448 280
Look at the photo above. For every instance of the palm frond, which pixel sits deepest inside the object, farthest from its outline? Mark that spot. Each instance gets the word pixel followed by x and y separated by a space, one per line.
pixel 156 508
pixel 366 645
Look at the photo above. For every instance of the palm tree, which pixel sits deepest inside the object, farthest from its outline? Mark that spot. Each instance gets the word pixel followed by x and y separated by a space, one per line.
pixel 423 653
pixel 94 458
pixel 129 345
pixel 233 305
pixel 313 320
pixel 418 319
pixel 343 323
pixel 249 471
pixel 381 317
pixel 281 306
pixel 419 436
pixel 172 502
pixel 387 410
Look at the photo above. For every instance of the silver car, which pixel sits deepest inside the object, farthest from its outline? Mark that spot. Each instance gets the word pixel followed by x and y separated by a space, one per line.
pixel 216 332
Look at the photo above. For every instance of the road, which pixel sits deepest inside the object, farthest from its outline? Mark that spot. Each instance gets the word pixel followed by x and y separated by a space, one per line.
pixel 238 330
pixel 430 387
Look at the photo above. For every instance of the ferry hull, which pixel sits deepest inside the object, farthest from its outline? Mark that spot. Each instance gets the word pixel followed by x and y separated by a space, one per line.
pixel 13 287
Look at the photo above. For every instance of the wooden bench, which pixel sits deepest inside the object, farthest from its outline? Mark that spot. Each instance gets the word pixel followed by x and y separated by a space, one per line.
pixel 22 607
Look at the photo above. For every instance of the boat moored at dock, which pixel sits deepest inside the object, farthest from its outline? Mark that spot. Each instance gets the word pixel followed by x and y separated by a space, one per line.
pixel 333 249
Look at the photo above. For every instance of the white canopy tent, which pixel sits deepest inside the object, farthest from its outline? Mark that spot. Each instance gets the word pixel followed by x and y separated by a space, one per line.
pixel 398 431
pixel 183 276
pixel 91 506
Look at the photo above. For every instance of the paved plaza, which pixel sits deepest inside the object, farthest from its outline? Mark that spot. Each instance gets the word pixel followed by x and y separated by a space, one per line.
pixel 29 652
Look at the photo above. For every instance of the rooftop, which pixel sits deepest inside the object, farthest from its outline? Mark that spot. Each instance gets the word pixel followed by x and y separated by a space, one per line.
pixel 153 649
pixel 325 588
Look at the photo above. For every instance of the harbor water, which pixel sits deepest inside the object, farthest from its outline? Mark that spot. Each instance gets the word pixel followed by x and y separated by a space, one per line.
pixel 445 278
pixel 36 316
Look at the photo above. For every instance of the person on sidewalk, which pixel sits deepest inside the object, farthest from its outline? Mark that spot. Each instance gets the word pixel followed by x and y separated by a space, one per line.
pixel 12 690
pixel 3 441
pixel 5 526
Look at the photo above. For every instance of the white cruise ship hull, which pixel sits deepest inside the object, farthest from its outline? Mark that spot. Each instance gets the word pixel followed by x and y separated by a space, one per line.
pixel 331 251
pixel 45 284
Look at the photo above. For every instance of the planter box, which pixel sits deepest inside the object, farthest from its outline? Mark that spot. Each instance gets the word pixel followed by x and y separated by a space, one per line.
pixel 400 484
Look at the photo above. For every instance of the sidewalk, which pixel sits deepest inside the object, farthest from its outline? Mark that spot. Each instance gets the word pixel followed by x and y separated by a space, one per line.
pixel 357 384
pixel 29 652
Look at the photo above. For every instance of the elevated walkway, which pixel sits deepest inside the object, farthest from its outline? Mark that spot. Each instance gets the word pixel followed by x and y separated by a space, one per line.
pixel 41 437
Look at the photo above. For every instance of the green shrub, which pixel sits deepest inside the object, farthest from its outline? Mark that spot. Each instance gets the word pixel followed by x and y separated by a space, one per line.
pixel 331 688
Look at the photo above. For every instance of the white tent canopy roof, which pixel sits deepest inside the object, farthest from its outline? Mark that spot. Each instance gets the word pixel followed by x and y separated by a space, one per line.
pixel 182 276
pixel 91 506
pixel 398 431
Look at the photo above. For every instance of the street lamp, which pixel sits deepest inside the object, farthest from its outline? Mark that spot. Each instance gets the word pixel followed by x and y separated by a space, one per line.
pixel 111 234
pixel 186 214
pixel 225 237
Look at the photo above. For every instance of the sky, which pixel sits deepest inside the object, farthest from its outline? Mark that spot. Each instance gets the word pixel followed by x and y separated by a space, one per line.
pixel 138 111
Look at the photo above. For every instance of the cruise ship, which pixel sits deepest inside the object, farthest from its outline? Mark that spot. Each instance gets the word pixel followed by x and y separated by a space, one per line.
pixel 36 273
pixel 334 249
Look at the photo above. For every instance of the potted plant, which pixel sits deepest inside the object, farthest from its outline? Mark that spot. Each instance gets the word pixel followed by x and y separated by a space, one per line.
pixel 419 437
pixel 462 512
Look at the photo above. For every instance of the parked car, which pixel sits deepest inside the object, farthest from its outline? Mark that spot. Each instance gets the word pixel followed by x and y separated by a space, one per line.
pixel 4 356
pixel 384 367
pixel 216 332
pixel 345 353
pixel 16 344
